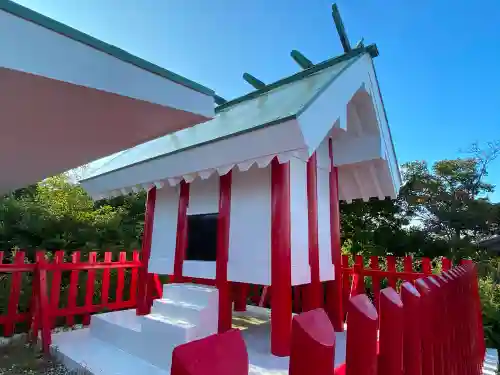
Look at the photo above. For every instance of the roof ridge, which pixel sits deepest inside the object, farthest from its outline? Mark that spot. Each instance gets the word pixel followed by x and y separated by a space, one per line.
pixel 46 22
pixel 371 49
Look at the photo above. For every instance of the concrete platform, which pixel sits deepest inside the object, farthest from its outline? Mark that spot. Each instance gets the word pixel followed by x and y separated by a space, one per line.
pixel 81 350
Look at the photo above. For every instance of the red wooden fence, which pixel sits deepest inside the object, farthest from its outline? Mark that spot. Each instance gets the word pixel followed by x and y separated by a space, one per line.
pixel 78 300
pixel 75 287
pixel 433 329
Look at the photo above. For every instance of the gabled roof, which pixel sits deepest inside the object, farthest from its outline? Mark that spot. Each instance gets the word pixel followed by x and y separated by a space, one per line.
pixel 60 28
pixel 278 102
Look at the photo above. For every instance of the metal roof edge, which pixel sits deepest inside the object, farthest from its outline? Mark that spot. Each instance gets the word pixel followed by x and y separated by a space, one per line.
pixel 371 49
pixel 388 126
pixel 79 36
pixel 327 85
pixel 275 122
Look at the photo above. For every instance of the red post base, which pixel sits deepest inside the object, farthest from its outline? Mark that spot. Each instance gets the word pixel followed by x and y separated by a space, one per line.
pixel 240 292
pixel 221 354
pixel 313 344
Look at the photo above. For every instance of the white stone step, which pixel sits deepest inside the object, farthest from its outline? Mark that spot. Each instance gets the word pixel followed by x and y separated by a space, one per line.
pixel 118 328
pixel 151 338
pixel 178 331
pixel 178 310
pixel 82 353
pixel 194 294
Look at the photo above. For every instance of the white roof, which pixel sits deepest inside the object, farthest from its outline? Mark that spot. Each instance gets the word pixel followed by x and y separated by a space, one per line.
pixel 289 118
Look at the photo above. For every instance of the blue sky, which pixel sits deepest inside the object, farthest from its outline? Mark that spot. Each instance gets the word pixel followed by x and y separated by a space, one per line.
pixel 438 66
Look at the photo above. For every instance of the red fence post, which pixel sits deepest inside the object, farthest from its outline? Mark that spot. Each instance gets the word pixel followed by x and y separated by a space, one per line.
pixel 43 307
pixel 220 354
pixel 391 268
pixel 481 345
pixel 15 293
pixel 55 288
pixel 437 307
pixel 105 280
pixel 89 288
pixel 408 266
pixel 73 289
pixel 134 278
pixel 446 264
pixel 374 265
pixel 426 327
pixel 453 321
pixel 412 340
pixel 312 344
pixel 390 358
pixel 358 278
pixel 361 346
pixel 120 280
pixel 426 266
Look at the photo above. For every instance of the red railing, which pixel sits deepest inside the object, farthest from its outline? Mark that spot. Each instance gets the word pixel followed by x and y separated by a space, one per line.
pixel 370 275
pixel 86 288
pixel 66 288
pixel 359 275
pixel 433 326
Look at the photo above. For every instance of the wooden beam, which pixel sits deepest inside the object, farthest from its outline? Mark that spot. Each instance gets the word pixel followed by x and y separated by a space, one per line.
pixel 143 307
pixel 281 263
pixel 314 291
pixel 255 82
pixel 340 28
pixel 301 60
pixel 223 221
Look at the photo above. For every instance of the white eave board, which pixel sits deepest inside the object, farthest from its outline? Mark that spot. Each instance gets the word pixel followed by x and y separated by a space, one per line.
pixel 69 99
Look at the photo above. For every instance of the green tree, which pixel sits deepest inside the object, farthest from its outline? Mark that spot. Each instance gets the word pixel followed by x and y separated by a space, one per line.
pixel 58 214
pixel 451 200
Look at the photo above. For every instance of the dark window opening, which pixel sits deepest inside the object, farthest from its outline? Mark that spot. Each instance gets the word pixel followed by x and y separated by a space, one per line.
pixel 202 237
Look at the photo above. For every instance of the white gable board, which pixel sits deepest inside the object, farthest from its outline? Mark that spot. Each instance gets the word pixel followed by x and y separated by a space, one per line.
pixel 164 231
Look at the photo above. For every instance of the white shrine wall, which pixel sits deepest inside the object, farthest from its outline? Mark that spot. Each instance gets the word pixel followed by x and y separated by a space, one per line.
pixel 164 231
pixel 249 258
pixel 299 218
pixel 250 227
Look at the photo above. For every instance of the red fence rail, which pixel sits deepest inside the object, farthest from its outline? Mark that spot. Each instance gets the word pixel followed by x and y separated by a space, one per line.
pixel 75 287
pixel 79 284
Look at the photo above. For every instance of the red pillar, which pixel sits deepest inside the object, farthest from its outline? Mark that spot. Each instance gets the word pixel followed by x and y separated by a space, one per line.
pixel 281 279
pixel 223 223
pixel 314 291
pixel 240 294
pixel 143 306
pixel 334 288
pixel 182 235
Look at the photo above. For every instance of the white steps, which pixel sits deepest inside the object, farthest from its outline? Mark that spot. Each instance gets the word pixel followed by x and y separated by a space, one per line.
pixel 188 312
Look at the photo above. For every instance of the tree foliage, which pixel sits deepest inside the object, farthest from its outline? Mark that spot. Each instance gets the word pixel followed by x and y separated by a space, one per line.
pixel 58 214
